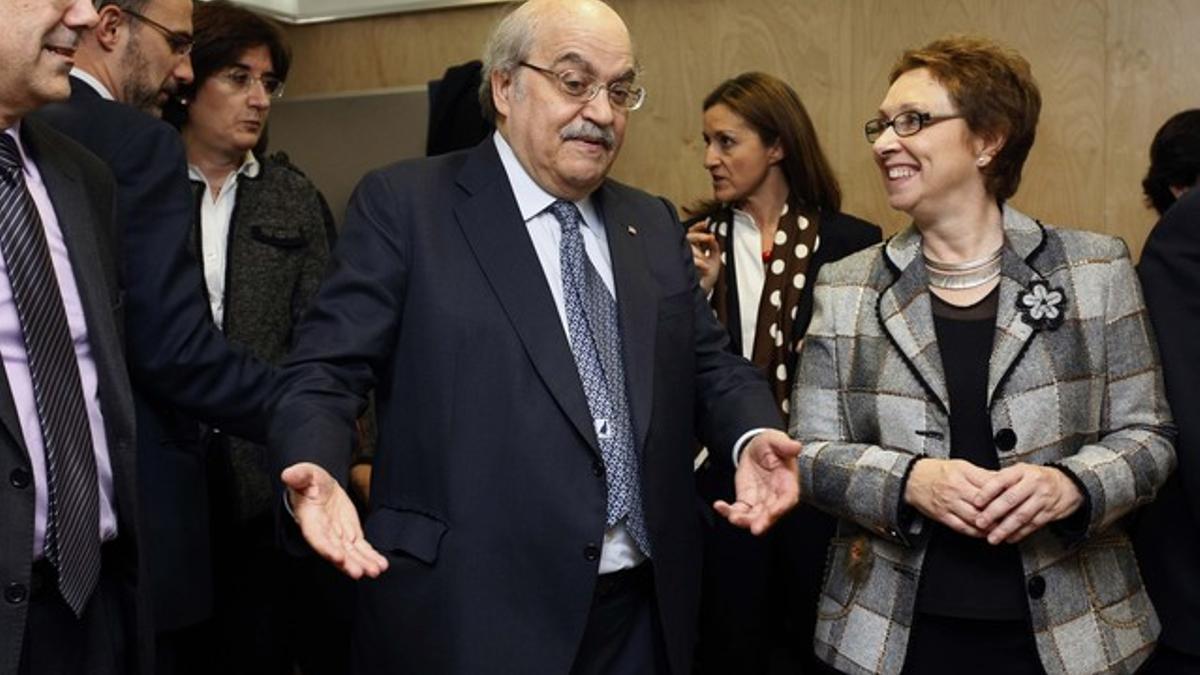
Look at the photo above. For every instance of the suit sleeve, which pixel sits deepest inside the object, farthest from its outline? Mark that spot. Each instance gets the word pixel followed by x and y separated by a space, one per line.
pixel 345 337
pixel 1135 452
pixel 731 395
pixel 175 351
pixel 1170 275
pixel 859 482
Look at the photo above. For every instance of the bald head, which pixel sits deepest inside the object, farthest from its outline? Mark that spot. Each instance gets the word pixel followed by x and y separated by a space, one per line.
pixel 552 68
pixel 515 36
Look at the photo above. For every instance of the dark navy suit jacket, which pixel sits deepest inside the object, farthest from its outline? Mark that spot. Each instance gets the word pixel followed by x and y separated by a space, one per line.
pixel 488 495
pixel 180 363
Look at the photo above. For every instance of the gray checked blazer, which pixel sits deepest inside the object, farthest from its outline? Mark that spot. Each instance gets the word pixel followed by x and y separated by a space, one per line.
pixel 1084 394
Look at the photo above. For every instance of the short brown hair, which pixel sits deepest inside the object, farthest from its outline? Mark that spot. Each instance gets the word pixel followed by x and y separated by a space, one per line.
pixel 994 90
pixel 774 111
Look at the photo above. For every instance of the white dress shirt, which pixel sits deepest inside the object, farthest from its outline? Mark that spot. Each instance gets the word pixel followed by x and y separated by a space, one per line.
pixel 619 550
pixel 216 215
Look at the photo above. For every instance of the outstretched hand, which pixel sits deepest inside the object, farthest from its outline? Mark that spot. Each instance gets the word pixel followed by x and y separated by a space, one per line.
pixel 329 522
pixel 767 482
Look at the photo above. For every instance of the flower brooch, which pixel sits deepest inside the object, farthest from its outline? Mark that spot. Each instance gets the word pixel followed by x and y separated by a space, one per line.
pixel 1042 306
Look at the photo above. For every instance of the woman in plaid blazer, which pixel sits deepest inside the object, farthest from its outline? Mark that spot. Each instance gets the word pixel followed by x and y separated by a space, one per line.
pixel 980 403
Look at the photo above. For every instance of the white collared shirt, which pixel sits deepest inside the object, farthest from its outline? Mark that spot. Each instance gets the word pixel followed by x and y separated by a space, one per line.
pixel 619 550
pixel 746 242
pixel 91 81
pixel 216 215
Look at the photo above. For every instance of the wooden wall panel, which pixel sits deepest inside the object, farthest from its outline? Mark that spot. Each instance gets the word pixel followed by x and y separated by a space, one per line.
pixel 1152 74
pixel 1110 71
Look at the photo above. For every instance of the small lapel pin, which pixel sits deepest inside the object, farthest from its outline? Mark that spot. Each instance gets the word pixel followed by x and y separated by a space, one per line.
pixel 632 230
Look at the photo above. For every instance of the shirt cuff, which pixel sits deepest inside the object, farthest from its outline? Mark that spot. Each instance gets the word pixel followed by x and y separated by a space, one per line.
pixel 743 440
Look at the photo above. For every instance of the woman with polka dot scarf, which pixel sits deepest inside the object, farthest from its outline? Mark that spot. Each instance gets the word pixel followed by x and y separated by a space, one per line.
pixel 758 243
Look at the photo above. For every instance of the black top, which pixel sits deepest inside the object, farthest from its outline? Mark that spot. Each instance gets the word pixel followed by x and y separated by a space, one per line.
pixel 963 576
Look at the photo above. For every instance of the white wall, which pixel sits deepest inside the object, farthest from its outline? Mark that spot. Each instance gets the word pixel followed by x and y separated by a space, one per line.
pixel 311 11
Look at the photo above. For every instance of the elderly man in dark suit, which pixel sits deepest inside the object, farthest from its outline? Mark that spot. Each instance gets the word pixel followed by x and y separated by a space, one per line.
pixel 69 563
pixel 128 65
pixel 542 356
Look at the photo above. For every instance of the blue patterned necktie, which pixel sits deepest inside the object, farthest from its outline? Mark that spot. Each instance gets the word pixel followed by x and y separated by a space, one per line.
pixel 595 337
pixel 73 494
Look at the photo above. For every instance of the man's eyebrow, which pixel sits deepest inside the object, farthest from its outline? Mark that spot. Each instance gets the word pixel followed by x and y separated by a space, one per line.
pixel 574 59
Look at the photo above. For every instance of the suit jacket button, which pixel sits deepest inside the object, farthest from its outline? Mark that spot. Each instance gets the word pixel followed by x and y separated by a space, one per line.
pixel 591 553
pixel 1036 587
pixel 15 593
pixel 1006 440
pixel 597 468
pixel 20 478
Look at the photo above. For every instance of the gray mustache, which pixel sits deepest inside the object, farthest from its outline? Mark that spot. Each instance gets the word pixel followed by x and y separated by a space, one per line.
pixel 586 131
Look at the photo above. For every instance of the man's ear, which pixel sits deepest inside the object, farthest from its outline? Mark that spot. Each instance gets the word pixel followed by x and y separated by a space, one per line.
pixel 108 30
pixel 503 90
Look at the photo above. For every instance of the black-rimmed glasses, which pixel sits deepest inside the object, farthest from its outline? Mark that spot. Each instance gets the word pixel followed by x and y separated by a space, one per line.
pixel 583 88
pixel 179 42
pixel 906 123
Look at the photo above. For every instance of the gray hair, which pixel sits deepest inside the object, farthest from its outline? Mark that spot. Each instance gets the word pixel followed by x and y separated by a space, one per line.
pixel 507 46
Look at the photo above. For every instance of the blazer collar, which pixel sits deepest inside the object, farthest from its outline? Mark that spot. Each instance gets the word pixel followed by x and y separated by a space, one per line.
pixel 907 316
pixel 637 302
pixel 495 231
pixel 492 223
pixel 1025 239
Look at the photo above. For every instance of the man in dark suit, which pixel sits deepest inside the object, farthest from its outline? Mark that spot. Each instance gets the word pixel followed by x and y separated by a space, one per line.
pixel 542 357
pixel 182 367
pixel 1167 536
pixel 69 562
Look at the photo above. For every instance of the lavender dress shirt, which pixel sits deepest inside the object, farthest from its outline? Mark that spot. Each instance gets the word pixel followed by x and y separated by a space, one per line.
pixel 16 365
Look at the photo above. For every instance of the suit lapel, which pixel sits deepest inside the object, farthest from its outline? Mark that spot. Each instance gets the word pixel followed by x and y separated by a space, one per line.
pixel 1023 237
pixel 496 233
pixel 61 181
pixel 905 311
pixel 637 302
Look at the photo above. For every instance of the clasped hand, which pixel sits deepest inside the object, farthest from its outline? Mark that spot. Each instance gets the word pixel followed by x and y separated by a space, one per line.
pixel 1002 506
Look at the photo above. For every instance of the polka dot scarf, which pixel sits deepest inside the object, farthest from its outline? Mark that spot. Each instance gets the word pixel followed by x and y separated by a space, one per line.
pixel 786 276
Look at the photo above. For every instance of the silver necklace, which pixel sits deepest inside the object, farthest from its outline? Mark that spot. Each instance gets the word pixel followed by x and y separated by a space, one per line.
pixel 964 275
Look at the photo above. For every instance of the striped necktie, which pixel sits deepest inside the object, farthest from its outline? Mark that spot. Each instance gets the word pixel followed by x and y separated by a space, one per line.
pixel 73 524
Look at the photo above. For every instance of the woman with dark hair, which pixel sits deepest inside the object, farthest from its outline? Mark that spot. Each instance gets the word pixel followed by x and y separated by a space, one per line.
pixel 980 404
pixel 262 241
pixel 774 219
pixel 1168 530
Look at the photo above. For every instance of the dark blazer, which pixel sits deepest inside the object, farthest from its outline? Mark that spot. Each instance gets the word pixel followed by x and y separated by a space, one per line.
pixel 81 189
pixel 179 362
pixel 488 493
pixel 1168 531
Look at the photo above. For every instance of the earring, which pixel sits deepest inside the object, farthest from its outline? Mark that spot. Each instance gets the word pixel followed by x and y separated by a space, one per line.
pixel 983 160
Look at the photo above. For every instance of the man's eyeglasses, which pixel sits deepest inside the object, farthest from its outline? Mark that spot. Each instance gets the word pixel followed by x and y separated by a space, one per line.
pixel 906 123
pixel 179 42
pixel 240 80
pixel 583 88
